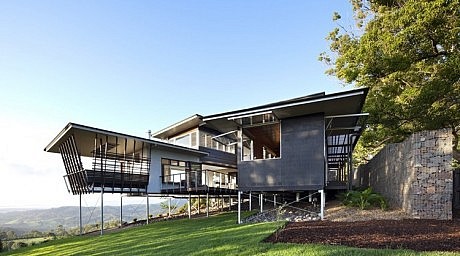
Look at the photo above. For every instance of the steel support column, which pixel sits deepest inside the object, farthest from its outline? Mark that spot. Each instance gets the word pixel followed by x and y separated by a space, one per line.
pixel 80 218
pixel 189 206
pixel 322 203
pixel 229 202
pixel 261 200
pixel 199 204
pixel 239 207
pixel 102 210
pixel 147 209
pixel 250 201
pixel 121 210
pixel 169 207
pixel 207 204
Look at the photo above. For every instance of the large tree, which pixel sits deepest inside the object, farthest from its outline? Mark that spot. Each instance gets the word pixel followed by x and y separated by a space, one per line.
pixel 408 53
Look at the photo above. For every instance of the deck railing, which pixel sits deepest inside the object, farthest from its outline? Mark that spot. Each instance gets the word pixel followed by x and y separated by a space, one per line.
pixel 194 181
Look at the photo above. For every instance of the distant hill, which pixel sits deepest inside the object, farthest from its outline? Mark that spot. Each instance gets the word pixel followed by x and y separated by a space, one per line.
pixel 22 221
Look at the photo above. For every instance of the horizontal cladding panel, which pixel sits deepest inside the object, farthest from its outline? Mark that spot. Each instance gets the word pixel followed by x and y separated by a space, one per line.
pixel 217 156
pixel 274 173
pixel 280 188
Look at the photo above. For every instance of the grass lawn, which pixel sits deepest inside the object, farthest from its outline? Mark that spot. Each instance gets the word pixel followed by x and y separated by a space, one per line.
pixel 217 235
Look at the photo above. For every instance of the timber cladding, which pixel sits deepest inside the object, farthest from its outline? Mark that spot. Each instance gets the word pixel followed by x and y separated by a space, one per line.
pixel 301 166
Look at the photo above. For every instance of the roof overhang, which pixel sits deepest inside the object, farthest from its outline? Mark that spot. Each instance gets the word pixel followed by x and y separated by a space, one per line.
pixel 336 104
pixel 85 139
pixel 184 125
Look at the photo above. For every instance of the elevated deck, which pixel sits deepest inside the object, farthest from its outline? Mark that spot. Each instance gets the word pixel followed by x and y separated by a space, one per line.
pixel 199 182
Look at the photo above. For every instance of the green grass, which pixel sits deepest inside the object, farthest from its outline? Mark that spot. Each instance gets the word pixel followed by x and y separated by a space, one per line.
pixel 217 235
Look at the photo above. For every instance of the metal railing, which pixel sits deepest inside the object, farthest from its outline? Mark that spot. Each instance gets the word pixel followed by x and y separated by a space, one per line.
pixel 202 180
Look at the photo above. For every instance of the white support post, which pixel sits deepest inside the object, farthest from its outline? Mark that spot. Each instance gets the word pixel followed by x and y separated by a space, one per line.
pixel 250 201
pixel 261 196
pixel 274 201
pixel 229 202
pixel 297 197
pixel 239 207
pixel 222 203
pixel 309 198
pixel 80 223
pixel 189 206
pixel 199 204
pixel 207 204
pixel 169 207
pixel 121 210
pixel 323 203
pixel 147 209
pixel 102 211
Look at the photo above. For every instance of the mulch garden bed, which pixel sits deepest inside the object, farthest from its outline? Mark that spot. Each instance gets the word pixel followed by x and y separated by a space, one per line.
pixel 414 234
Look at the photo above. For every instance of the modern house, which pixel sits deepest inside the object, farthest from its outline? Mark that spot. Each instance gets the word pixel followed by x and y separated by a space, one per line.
pixel 291 148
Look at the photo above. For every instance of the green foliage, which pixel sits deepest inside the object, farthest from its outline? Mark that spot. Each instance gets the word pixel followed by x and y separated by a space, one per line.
pixel 407 52
pixel 217 235
pixel 165 207
pixel 363 199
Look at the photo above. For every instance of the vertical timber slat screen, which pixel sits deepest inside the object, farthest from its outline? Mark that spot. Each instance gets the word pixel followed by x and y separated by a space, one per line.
pixel 120 166
pixel 119 172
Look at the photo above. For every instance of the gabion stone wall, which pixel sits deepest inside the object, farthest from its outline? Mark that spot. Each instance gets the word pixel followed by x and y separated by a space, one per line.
pixel 415 175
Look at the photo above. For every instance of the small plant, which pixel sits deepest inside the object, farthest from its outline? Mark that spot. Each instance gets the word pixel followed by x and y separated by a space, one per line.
pixel 364 199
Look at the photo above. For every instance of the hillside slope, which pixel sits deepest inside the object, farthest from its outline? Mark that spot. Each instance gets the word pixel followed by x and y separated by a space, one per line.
pixel 68 216
pixel 216 235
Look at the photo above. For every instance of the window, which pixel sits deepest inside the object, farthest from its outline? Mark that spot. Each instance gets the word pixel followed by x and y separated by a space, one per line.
pixel 186 140
pixel 193 139
pixel 183 140
pixel 174 170
pixel 261 141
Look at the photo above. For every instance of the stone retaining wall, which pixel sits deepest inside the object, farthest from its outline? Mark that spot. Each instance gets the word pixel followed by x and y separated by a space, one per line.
pixel 415 175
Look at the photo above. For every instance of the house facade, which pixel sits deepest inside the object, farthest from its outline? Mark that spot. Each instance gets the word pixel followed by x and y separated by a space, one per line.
pixel 298 146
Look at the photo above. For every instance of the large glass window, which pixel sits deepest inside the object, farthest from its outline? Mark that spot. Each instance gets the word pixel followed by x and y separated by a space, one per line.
pixel 174 171
pixel 261 141
pixel 217 141
pixel 186 140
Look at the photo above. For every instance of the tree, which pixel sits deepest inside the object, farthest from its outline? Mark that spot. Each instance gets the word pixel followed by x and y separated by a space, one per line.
pixel 10 234
pixel 407 52
pixel 60 231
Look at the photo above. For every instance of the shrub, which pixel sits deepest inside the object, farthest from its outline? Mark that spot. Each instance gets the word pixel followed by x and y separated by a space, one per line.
pixel 363 199
pixel 18 245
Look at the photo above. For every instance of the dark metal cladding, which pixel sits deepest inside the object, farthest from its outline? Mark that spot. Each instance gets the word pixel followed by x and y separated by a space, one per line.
pixel 302 163
pixel 218 157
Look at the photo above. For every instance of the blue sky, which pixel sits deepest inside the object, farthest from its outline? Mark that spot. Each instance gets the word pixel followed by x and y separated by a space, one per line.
pixel 130 66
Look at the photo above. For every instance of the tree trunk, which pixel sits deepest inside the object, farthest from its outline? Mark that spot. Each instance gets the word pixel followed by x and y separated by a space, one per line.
pixel 455 149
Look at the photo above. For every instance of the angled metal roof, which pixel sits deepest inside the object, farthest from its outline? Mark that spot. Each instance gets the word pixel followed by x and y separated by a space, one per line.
pixel 331 105
pixel 85 136
pixel 181 126
pixel 346 102
pixel 341 103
